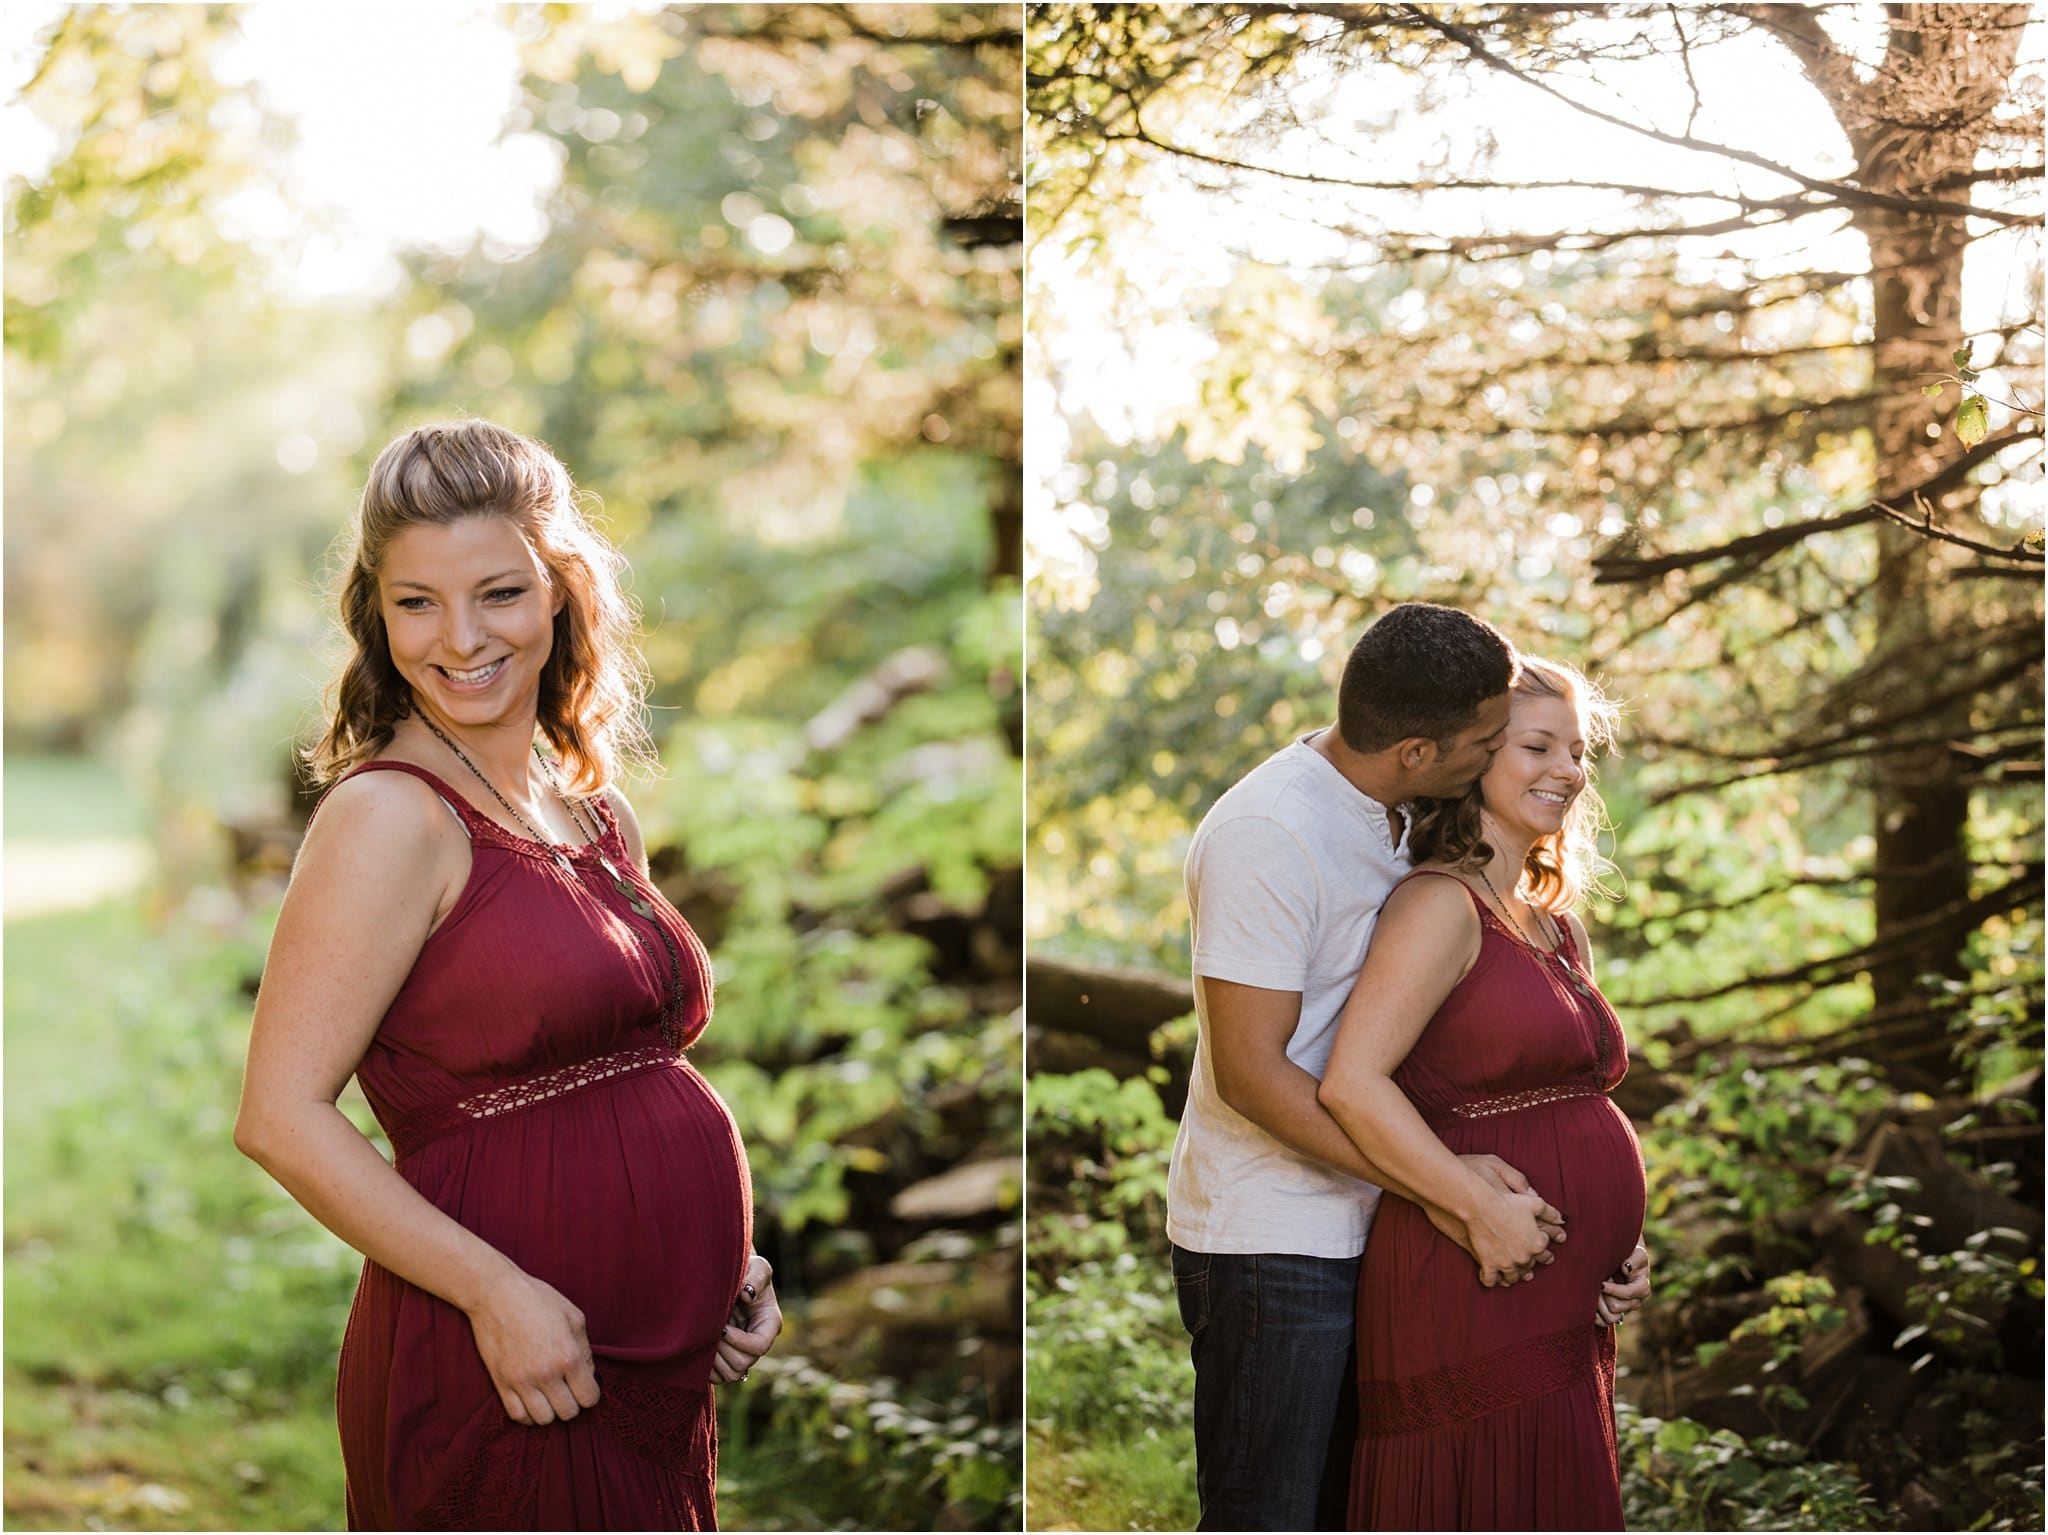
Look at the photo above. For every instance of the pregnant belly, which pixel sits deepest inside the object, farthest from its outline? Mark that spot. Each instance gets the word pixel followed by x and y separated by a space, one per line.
pixel 631 1197
pixel 1420 1291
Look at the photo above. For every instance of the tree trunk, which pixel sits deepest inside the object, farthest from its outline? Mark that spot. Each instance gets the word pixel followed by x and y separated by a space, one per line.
pixel 1921 117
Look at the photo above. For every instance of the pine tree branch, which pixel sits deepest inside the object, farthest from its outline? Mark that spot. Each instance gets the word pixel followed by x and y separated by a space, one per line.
pixel 1835 969
pixel 1846 192
pixel 1614 568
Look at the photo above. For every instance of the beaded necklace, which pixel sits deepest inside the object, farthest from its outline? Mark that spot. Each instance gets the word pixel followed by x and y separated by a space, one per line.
pixel 1555 956
pixel 672 996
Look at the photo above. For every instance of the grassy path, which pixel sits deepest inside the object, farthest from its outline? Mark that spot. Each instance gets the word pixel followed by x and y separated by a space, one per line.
pixel 170 1316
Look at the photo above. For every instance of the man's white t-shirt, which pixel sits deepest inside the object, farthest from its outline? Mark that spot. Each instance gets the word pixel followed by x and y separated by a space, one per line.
pixel 1285 879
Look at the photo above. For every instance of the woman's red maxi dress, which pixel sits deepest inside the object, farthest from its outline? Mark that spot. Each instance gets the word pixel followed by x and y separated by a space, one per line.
pixel 529 1075
pixel 1494 1409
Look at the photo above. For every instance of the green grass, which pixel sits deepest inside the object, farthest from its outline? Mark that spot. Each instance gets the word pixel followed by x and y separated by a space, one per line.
pixel 1143 1482
pixel 172 1317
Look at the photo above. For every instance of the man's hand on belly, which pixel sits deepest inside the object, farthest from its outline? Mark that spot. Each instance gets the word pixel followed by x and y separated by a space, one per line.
pixel 1508 1180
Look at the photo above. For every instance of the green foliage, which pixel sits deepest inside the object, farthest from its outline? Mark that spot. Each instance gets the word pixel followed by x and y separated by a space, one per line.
pixel 1745 1144
pixel 1993 1010
pixel 1994 1267
pixel 1107 1359
pixel 1116 1140
pixel 1752 1140
pixel 831 1018
pixel 896 1455
pixel 1679 1475
pixel 1801 1305
pixel 1107 1354
pixel 1083 1483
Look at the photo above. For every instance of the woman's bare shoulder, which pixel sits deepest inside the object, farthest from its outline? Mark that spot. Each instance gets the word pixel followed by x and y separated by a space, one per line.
pixel 1580 938
pixel 1432 910
pixel 382 818
pixel 1448 891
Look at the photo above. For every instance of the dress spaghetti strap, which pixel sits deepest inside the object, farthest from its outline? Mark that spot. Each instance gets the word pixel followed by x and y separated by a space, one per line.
pixel 1441 874
pixel 1567 945
pixel 481 828
pixel 457 806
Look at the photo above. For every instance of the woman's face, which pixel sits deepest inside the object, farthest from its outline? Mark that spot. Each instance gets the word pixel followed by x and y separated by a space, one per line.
pixel 1539 770
pixel 470 618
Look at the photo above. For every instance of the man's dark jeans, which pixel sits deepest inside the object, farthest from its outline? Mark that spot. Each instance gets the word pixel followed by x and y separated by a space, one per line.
pixel 1276 1409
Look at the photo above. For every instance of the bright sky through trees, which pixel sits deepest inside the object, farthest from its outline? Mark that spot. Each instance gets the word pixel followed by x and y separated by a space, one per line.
pixel 1108 324
pixel 398 114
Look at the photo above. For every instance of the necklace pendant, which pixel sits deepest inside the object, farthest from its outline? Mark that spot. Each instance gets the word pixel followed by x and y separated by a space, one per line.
pixel 614 873
pixel 568 868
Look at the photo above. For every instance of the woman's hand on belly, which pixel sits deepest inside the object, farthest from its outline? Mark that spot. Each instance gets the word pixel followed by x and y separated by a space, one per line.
pixel 531 1339
pixel 756 1322
pixel 1626 1291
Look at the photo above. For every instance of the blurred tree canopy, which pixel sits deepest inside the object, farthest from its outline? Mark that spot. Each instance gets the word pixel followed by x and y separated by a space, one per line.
pixel 1666 408
pixel 775 332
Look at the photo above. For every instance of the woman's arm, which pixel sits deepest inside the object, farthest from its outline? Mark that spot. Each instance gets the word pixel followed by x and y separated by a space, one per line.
pixel 381 864
pixel 1427 938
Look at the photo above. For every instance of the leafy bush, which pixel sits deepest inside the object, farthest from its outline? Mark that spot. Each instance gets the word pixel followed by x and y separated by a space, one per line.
pixel 903 1457
pixel 1106 1352
pixel 1679 1475
pixel 1746 1143
pixel 1115 1141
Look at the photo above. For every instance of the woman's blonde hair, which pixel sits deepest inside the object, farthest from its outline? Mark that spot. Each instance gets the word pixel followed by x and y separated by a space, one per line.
pixel 594 683
pixel 1566 863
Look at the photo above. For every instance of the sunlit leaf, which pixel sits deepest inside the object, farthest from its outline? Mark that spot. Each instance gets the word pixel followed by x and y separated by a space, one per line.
pixel 1972 422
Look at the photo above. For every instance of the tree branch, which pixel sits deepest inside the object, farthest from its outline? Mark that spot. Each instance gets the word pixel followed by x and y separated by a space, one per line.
pixel 1835 969
pixel 1844 191
pixel 1614 568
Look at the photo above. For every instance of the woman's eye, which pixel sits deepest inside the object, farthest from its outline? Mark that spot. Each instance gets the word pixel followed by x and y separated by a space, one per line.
pixel 413 604
pixel 504 593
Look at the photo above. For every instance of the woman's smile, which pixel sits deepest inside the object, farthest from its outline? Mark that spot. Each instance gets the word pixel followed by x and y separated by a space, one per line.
pixel 474 680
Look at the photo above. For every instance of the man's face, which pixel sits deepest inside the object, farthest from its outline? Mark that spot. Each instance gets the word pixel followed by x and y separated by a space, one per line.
pixel 1460 765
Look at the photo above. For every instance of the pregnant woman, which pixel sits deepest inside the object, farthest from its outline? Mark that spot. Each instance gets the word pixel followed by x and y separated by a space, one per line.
pixel 559 1258
pixel 1487 1401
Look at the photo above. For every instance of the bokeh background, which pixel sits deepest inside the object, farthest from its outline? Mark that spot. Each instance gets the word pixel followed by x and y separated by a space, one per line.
pixel 754 273
pixel 1699 346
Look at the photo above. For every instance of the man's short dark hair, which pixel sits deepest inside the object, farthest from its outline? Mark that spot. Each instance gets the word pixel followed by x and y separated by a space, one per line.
pixel 1421 670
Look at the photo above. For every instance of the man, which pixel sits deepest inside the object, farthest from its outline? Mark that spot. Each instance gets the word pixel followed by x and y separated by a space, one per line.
pixel 1268 1201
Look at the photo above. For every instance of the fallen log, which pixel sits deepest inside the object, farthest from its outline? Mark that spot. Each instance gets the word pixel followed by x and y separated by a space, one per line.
pixel 1118 1006
pixel 1943 1208
pixel 1734 1388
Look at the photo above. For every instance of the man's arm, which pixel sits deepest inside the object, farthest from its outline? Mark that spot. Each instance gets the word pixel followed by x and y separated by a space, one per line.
pixel 1249 1027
